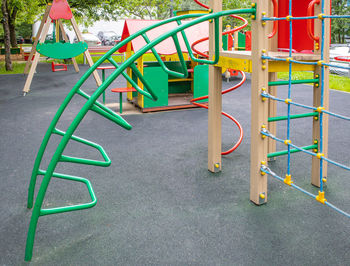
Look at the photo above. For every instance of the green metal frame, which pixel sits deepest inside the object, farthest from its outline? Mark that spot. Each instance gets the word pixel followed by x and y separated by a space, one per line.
pixel 93 105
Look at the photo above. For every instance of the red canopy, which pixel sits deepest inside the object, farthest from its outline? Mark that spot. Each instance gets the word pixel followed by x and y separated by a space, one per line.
pixel 166 47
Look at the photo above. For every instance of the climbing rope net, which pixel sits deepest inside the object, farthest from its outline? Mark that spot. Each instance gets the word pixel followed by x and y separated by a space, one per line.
pixel 317 111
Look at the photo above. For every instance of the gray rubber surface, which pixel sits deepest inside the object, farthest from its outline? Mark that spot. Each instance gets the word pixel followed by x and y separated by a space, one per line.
pixel 157 202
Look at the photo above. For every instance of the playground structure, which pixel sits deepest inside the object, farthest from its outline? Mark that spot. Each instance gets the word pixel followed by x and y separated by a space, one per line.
pixel 54 13
pixel 263 62
pixel 172 92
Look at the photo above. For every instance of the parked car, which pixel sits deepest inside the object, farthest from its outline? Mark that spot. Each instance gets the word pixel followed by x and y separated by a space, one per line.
pixel 90 39
pixel 112 40
pixel 20 40
pixel 108 37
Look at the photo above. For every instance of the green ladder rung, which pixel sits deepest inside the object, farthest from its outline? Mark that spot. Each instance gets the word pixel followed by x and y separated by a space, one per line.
pixel 106 112
pixel 65 158
pixel 280 153
pixel 285 117
pixel 286 82
pixel 71 159
pixel 73 207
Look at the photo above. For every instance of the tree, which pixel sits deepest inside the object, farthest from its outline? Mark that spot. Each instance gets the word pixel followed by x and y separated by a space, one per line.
pixel 5 23
pixel 147 9
pixel 20 11
pixel 340 26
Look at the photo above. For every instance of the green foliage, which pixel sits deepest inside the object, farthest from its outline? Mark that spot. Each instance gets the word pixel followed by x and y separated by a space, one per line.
pixel 147 9
pixel 236 4
pixel 226 5
pixel 25 30
pixel 340 26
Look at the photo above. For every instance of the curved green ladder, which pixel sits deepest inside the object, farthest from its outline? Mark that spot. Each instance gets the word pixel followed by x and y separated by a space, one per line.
pixel 93 105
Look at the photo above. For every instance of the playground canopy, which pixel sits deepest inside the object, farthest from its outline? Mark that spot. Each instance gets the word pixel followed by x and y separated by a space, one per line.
pixel 166 47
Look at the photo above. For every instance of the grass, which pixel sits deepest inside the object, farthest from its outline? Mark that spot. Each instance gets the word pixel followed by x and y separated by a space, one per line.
pixel 335 82
pixel 18 68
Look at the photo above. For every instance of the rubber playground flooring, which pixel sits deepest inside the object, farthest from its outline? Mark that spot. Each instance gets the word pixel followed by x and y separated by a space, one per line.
pixel 157 202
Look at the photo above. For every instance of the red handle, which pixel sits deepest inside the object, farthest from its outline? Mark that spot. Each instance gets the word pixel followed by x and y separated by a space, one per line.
pixel 275 23
pixel 309 25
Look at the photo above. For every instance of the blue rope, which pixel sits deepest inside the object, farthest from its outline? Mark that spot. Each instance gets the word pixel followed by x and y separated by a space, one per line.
pixel 266 95
pixel 322 84
pixel 337 209
pixel 303 18
pixel 322 101
pixel 268 134
pixel 337 16
pixel 291 18
pixel 336 115
pixel 335 66
pixel 289 84
pixel 269 172
pixel 336 163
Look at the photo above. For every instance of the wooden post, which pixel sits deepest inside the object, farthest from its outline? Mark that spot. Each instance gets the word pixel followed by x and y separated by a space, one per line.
pixel 67 40
pixel 36 57
pixel 214 100
pixel 86 53
pixel 315 170
pixel 37 38
pixel 259 108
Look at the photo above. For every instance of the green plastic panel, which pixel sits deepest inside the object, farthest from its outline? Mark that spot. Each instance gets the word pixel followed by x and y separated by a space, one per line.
pixel 60 50
pixel 224 42
pixel 178 86
pixel 158 79
pixel 241 41
pixel 200 83
pixel 12 51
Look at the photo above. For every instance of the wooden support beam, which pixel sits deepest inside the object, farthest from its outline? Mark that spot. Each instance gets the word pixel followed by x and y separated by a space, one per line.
pixel 259 108
pixel 215 99
pixel 37 37
pixel 86 53
pixel 36 57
